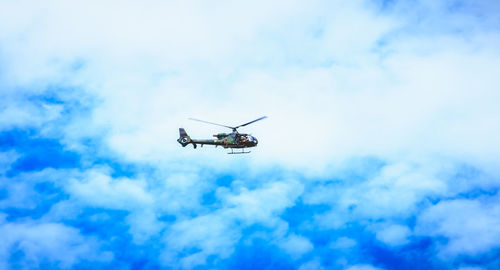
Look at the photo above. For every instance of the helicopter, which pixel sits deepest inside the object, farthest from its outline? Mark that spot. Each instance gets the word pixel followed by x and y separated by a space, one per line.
pixel 226 140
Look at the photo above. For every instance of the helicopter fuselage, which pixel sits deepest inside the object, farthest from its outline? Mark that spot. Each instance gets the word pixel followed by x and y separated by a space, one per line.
pixel 226 140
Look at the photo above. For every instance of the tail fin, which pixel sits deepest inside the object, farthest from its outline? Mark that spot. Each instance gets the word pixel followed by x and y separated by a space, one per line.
pixel 184 139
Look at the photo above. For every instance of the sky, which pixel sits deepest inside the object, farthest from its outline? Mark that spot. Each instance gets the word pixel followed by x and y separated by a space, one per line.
pixel 380 150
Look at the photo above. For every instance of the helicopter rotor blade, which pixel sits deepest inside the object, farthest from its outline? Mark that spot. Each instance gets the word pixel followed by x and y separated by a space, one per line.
pixel 203 121
pixel 263 117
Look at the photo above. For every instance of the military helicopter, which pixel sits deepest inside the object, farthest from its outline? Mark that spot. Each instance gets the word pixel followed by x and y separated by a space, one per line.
pixel 227 140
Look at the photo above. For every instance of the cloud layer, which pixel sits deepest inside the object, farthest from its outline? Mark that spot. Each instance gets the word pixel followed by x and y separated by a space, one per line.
pixel 380 150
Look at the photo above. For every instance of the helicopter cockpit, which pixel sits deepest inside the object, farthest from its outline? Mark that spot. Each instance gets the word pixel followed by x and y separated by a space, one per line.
pixel 252 139
pixel 248 140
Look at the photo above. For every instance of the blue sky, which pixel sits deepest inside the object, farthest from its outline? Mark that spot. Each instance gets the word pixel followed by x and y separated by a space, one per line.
pixel 380 150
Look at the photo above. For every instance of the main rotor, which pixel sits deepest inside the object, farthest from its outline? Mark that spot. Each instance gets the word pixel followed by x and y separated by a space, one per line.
pixel 235 129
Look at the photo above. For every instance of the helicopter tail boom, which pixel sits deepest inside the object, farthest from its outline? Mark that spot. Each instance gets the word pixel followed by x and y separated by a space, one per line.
pixel 184 139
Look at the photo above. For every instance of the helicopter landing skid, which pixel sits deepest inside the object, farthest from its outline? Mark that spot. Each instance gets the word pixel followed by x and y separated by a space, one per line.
pixel 242 152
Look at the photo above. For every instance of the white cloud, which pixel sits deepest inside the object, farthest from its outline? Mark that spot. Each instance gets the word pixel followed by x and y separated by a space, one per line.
pixel 144 224
pixel 180 191
pixel 262 205
pixel 16 112
pixel 6 159
pixel 394 235
pixel 21 191
pixel 343 243
pixel 148 197
pixel 392 192
pixel 311 265
pixel 216 233
pixel 296 245
pixel 100 190
pixel 211 234
pixel 53 242
pixel 411 95
pixel 470 226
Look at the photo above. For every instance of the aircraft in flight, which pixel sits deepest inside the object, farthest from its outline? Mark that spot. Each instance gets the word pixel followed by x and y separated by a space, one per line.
pixel 233 140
